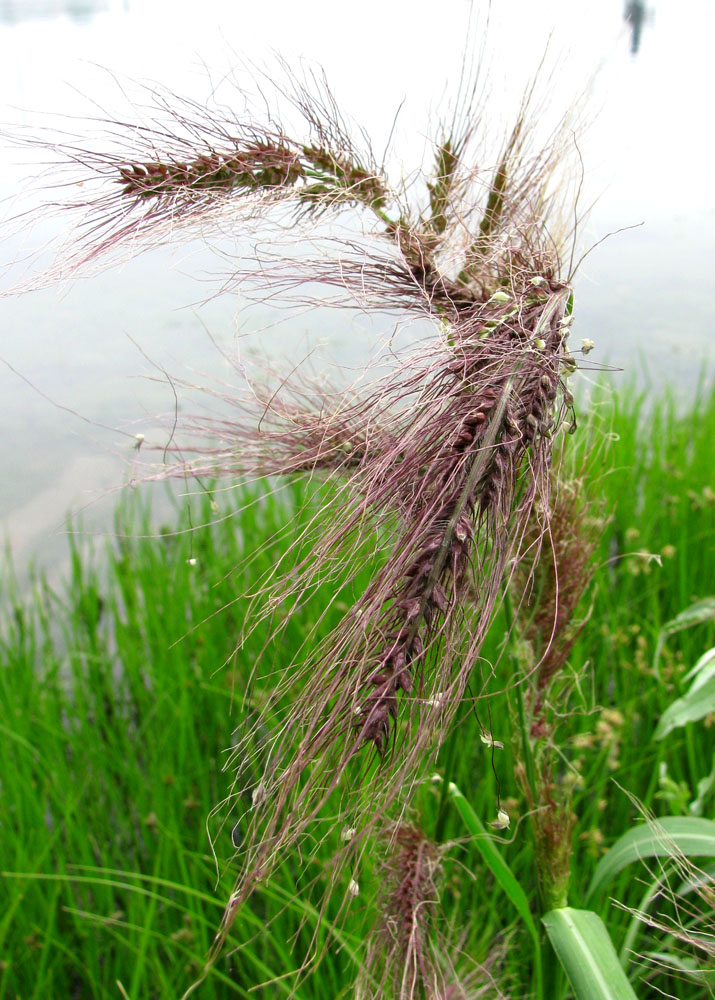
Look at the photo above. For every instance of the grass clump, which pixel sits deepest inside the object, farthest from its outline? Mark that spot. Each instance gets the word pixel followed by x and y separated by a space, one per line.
pixel 117 724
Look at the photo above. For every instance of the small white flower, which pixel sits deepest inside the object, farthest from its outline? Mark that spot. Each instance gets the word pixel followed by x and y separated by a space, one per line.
pixel 539 344
pixel 500 297
pixel 191 561
pixel 502 821
pixel 347 833
pixel 436 779
pixel 587 345
pixel 538 281
pixel 567 320
pixel 353 888
pixel 139 438
pixel 436 700
pixel 489 740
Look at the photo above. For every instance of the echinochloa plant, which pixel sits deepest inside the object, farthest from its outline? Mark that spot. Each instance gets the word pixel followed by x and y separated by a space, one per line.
pixel 440 465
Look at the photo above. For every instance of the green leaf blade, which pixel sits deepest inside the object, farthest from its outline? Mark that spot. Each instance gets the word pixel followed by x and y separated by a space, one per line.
pixel 696 614
pixel 672 835
pixel 703 670
pixel 696 704
pixel 586 952
pixel 494 860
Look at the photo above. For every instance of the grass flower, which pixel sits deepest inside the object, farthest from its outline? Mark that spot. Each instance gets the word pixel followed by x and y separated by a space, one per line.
pixel 401 960
pixel 411 953
pixel 441 465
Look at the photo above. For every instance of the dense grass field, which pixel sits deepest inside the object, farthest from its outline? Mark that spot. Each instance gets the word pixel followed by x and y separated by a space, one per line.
pixel 121 693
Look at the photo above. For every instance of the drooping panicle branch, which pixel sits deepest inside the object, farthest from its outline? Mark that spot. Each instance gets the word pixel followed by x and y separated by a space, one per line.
pixel 401 958
pixel 411 950
pixel 277 168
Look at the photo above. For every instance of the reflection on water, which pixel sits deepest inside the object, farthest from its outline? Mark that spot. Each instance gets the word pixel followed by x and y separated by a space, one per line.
pixel 79 11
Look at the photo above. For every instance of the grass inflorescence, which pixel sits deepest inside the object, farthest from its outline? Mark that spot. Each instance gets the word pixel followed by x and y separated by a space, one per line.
pixel 429 585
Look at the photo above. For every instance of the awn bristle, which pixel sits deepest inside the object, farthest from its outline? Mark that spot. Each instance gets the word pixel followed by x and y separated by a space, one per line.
pixel 402 943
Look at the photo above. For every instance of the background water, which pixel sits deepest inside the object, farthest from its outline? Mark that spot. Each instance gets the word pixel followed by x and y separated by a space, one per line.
pixel 86 356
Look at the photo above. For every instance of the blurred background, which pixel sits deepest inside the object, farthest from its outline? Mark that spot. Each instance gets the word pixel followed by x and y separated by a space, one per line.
pixel 83 360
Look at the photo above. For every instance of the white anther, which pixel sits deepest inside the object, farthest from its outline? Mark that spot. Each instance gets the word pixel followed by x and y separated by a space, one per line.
pixel 502 821
pixel 258 795
pixel 489 740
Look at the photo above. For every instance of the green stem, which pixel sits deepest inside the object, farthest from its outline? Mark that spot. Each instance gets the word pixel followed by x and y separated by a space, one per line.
pixel 448 777
pixel 549 982
pixel 384 217
pixel 523 727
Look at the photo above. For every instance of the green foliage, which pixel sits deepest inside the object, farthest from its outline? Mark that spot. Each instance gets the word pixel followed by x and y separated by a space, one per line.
pixel 116 723
pixel 699 701
pixel 494 860
pixel 581 941
pixel 700 612
pixel 121 694
pixel 669 837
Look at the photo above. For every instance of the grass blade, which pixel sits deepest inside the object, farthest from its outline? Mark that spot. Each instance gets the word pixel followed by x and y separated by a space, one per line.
pixel 703 670
pixel 699 612
pixel 586 952
pixel 493 858
pixel 696 704
pixel 667 838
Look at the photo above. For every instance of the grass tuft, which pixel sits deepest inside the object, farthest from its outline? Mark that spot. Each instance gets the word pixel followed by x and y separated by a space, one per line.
pixel 118 722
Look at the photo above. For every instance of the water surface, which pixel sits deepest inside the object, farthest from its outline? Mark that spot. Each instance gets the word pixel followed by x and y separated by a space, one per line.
pixel 88 357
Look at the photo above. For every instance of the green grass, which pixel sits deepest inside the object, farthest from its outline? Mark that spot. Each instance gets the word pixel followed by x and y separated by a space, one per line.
pixel 121 692
pixel 116 721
